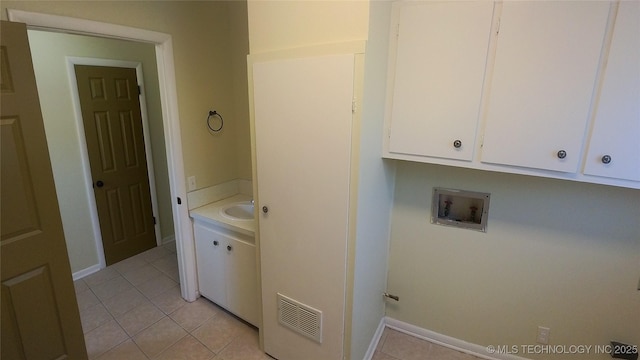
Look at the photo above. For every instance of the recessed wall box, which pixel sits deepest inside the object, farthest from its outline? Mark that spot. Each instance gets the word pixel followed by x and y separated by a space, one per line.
pixel 460 208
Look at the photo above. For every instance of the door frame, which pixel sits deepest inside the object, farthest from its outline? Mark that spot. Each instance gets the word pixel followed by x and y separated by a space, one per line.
pixel 84 154
pixel 171 120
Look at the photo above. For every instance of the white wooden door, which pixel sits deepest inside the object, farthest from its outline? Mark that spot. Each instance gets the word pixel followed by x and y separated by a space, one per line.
pixel 546 62
pixel 614 149
pixel 439 73
pixel 303 119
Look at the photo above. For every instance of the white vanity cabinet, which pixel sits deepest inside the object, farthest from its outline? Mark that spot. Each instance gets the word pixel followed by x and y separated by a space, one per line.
pixel 440 60
pixel 614 146
pixel 546 63
pixel 226 266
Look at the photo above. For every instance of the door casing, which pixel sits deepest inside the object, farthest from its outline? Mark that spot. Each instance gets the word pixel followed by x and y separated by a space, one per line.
pixel 171 120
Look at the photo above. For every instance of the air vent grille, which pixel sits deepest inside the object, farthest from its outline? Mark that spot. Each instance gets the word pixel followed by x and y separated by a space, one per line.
pixel 300 318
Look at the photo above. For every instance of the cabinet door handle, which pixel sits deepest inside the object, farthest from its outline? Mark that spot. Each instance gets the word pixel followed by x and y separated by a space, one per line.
pixel 215 243
pixel 606 159
pixel 265 209
pixel 562 154
pixel 229 248
pixel 457 144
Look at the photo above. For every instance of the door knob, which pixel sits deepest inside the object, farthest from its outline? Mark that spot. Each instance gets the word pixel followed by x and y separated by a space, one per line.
pixel 99 183
pixel 265 209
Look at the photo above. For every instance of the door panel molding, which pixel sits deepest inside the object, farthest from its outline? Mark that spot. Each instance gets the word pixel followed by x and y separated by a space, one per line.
pixel 39 310
pixel 171 120
pixel 107 148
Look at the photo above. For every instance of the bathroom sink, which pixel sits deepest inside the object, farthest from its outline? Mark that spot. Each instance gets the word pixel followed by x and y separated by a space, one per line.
pixel 238 211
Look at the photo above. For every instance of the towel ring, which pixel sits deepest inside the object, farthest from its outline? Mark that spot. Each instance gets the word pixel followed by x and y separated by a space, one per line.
pixel 212 114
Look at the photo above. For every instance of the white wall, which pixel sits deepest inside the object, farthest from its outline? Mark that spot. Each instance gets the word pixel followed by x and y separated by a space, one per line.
pixel 556 253
pixel 375 191
pixel 49 51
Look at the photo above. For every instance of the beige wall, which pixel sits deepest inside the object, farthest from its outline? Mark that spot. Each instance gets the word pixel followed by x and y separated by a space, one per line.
pixel 559 254
pixel 209 56
pixel 239 39
pixel 49 51
pixel 278 25
pixel 203 57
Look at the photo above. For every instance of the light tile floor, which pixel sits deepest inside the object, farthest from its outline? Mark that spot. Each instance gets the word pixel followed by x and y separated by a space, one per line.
pixel 133 310
pixel 395 345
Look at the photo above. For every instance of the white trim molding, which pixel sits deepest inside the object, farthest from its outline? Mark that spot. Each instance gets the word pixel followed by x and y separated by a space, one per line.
pixel 86 272
pixel 171 121
pixel 480 351
pixel 376 339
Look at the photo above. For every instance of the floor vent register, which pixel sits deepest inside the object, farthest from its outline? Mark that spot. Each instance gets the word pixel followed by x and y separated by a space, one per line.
pixel 300 318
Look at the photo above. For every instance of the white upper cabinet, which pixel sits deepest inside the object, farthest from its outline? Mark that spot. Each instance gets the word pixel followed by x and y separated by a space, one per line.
pixel 614 148
pixel 546 64
pixel 438 76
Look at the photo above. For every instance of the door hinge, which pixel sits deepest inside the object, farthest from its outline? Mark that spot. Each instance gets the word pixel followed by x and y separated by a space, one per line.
pixel 353 106
pixel 154 221
pixel 397 31
pixel 179 201
pixel 139 90
pixel 498 27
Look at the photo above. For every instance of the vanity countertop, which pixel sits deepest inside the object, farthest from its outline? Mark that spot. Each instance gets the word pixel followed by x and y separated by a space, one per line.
pixel 210 213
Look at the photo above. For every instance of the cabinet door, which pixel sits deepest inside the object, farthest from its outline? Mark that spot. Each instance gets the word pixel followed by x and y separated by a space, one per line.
pixel 439 72
pixel 210 262
pixel 614 149
pixel 242 286
pixel 546 62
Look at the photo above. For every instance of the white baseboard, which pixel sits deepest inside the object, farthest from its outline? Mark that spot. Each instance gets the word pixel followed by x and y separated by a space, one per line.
pixel 436 338
pixel 376 339
pixel 86 272
pixel 95 268
pixel 168 239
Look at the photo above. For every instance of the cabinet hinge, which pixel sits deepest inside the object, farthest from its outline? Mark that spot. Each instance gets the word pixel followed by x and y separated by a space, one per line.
pixel 397 30
pixel 498 27
pixel 353 106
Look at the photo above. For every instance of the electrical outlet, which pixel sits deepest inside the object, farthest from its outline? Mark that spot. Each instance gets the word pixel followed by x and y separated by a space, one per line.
pixel 543 335
pixel 191 183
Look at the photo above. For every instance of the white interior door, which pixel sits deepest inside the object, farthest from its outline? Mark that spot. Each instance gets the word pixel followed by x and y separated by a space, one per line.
pixel 303 119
